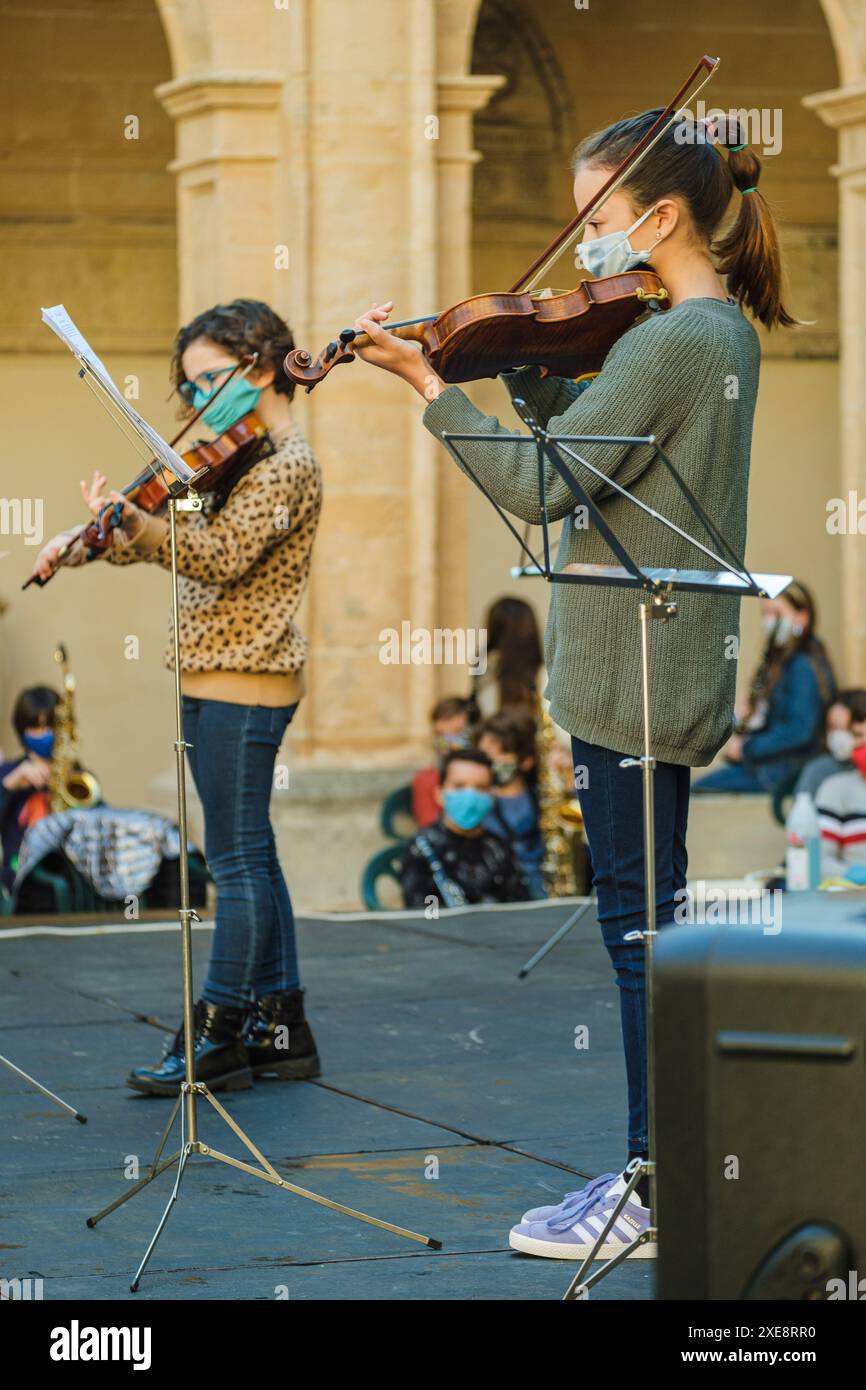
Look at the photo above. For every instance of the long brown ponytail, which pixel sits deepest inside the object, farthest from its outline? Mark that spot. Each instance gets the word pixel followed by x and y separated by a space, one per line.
pixel 687 163
pixel 748 254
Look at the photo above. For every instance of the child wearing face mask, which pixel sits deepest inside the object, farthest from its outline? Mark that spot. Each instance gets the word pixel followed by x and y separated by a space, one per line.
pixel 457 861
pixel 781 723
pixel 508 739
pixel 840 801
pixel 450 720
pixel 244 563
pixel 670 210
pixel 24 781
pixel 845 729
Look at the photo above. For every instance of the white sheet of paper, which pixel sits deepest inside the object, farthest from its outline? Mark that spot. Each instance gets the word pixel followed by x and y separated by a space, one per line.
pixel 59 322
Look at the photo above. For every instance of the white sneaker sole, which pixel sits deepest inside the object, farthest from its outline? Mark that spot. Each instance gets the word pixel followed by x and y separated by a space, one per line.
pixel 549 1250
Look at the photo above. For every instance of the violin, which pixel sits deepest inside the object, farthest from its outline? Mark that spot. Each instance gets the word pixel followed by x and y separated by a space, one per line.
pixel 565 334
pixel 491 333
pixel 214 462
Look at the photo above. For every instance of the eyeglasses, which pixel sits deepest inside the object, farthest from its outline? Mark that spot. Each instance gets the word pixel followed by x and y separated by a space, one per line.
pixel 187 389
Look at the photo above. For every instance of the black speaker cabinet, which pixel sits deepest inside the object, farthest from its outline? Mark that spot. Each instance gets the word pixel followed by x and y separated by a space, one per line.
pixel 760 1111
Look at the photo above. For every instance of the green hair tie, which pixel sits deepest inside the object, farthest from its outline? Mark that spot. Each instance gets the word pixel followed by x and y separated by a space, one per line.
pixel 744 191
pixel 732 149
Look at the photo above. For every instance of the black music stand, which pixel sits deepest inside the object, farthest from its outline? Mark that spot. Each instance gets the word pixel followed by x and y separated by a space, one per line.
pixel 657 584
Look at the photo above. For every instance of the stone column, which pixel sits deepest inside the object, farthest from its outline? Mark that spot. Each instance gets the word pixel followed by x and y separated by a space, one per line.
pixel 227 143
pixel 331 149
pixel 845 111
pixel 460 97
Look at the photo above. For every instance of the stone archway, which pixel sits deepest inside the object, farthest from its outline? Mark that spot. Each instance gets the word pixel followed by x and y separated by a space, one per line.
pixel 846 22
pixel 455 31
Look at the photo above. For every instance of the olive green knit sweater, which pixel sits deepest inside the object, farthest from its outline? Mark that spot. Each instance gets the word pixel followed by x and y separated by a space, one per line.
pixel 690 377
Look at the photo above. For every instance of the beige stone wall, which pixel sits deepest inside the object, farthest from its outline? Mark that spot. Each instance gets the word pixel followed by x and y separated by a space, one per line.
pixel 88 218
pixel 87 212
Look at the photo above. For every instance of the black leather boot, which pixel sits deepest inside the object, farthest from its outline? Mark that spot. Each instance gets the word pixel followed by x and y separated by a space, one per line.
pixel 279 1041
pixel 220 1055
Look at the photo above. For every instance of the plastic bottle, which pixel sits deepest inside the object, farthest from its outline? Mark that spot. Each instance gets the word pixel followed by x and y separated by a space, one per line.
pixel 803 854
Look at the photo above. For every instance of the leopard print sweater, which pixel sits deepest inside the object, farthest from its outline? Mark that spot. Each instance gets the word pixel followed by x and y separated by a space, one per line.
pixel 243 571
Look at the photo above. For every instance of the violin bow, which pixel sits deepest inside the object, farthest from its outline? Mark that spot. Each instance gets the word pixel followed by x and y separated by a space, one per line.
pixel 704 70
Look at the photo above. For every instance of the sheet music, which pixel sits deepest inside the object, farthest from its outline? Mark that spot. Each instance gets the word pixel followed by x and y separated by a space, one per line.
pixel 59 322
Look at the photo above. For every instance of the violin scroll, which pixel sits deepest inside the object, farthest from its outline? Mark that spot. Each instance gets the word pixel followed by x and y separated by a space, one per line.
pixel 304 371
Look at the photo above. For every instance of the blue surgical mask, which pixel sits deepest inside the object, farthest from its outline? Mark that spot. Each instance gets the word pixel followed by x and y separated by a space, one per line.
pixel 467 807
pixel 40 744
pixel 613 254
pixel 235 401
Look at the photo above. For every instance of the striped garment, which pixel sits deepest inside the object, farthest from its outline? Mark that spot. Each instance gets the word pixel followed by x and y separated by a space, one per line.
pixel 841 805
pixel 118 852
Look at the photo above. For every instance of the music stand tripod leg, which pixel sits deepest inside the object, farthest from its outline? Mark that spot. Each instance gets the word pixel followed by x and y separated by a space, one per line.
pixel 554 940
pixel 155 1169
pixel 182 1158
pixel 43 1090
pixel 181 1167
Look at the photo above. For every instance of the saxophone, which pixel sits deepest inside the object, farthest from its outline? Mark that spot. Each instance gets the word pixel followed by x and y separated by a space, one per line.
pixel 559 814
pixel 70 788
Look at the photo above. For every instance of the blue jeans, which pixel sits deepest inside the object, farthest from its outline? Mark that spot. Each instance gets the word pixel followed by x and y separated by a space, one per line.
pixel 612 806
pixel 232 757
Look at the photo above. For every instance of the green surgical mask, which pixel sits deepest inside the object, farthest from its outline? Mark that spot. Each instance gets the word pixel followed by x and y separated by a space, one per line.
pixel 235 401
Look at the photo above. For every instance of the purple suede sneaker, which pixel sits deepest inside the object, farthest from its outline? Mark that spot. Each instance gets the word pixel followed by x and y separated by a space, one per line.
pixel 571 1234
pixel 571 1201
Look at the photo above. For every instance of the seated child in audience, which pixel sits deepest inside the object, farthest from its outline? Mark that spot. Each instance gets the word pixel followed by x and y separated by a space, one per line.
pixel 456 861
pixel 845 727
pixel 24 780
pixel 781 723
pixel 841 805
pixel 508 739
pixel 450 719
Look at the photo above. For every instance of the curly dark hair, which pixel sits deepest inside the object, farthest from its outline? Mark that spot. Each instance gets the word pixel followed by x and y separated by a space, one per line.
pixel 244 326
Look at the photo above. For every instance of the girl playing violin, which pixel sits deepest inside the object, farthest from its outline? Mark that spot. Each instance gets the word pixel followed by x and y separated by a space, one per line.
pixel 689 376
pixel 243 568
